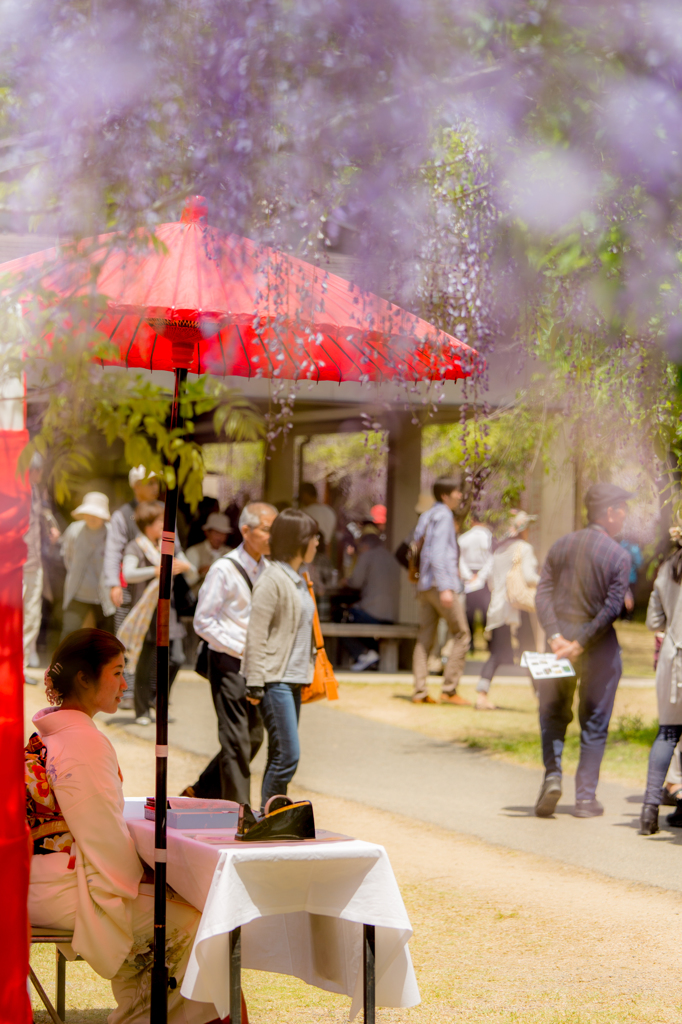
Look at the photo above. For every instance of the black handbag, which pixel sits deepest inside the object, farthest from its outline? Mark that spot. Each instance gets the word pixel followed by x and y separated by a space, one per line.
pixel 283 821
pixel 201 664
pixel 184 597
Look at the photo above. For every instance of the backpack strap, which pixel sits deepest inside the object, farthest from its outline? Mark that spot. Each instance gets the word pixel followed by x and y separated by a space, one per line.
pixel 240 568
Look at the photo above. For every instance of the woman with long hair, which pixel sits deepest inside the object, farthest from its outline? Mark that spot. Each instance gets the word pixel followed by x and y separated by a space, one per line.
pixel 277 659
pixel 85 873
pixel 665 613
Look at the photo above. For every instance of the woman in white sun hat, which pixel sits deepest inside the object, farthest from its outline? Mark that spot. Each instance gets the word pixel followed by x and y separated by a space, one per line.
pixel 86 598
pixel 512 556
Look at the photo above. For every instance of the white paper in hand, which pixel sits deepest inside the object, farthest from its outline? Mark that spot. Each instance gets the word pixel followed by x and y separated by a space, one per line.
pixel 546 666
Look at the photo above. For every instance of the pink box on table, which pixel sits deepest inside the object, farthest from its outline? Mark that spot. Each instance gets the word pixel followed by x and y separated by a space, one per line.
pixel 191 812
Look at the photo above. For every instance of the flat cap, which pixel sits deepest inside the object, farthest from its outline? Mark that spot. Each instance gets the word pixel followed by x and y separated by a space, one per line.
pixel 606 496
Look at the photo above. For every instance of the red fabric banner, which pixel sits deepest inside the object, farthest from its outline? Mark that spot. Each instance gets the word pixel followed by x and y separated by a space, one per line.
pixel 14 855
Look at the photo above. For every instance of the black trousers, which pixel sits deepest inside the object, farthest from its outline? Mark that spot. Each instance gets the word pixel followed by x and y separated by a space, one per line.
pixel 477 601
pixel 144 692
pixel 240 731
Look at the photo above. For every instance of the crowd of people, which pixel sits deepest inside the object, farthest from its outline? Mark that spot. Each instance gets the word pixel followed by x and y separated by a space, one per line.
pixel 583 588
pixel 112 564
pixel 253 609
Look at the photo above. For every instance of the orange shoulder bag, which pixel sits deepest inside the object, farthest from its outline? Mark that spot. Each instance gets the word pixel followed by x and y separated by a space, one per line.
pixel 324 681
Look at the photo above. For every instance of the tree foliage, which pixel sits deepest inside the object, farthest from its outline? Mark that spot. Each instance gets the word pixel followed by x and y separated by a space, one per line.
pixel 507 169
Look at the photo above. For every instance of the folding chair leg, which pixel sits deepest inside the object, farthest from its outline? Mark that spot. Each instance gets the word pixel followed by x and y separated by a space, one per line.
pixel 61 985
pixel 43 995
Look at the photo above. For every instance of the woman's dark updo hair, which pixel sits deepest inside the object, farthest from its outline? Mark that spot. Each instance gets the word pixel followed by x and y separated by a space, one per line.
pixel 290 534
pixel 84 650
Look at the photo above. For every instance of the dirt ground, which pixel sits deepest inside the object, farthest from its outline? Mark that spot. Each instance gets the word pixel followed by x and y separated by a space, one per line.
pixel 499 936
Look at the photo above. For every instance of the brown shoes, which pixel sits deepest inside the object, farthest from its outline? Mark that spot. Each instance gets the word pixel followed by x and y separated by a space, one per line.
pixel 445 698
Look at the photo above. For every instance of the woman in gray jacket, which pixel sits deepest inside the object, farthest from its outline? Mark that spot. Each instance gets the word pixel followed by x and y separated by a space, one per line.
pixel 277 659
pixel 665 612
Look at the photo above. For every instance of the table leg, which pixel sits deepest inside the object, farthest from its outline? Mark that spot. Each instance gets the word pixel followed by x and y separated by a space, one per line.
pixel 236 976
pixel 368 972
pixel 61 984
pixel 388 656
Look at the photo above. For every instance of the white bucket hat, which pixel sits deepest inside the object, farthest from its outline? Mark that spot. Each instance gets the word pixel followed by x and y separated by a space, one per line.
pixel 519 522
pixel 139 473
pixel 218 522
pixel 94 504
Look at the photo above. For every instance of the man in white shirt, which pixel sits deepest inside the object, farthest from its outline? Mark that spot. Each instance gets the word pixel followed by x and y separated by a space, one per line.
pixel 475 566
pixel 203 555
pixel 324 515
pixel 221 619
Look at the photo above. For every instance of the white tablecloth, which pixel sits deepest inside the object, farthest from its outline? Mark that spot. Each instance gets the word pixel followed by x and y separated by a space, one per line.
pixel 301 908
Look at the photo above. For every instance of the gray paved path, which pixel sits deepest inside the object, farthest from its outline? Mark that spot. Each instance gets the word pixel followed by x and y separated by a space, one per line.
pixel 448 785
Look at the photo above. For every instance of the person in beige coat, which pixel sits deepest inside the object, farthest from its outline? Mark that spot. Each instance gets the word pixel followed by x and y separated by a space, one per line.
pixel 502 616
pixel 86 876
pixel 665 613
pixel 277 658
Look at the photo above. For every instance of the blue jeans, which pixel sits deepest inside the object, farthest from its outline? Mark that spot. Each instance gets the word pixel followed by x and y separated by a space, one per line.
pixel 659 761
pixel 280 707
pixel 353 644
pixel 599 670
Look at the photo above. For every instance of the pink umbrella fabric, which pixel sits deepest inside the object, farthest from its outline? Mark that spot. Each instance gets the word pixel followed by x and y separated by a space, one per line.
pixel 221 304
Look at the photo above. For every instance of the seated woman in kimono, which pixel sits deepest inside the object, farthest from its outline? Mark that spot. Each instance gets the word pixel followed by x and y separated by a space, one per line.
pixel 85 873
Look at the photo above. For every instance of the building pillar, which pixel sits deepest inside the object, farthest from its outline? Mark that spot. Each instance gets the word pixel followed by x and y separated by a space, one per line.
pixel 278 481
pixel 557 498
pixel 403 483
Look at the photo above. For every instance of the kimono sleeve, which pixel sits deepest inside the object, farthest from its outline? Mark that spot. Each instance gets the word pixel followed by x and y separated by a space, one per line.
pixel 83 772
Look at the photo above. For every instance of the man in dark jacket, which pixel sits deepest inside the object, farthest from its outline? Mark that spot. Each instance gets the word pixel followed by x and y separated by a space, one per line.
pixel 580 594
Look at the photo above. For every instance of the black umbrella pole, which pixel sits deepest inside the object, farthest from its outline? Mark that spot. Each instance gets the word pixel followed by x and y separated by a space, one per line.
pixel 159 1007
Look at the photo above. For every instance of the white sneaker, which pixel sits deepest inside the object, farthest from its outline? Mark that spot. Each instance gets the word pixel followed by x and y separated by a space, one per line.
pixel 365 661
pixel 143 720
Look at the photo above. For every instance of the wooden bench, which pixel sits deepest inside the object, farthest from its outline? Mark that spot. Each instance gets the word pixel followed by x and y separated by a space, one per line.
pixel 55 937
pixel 389 636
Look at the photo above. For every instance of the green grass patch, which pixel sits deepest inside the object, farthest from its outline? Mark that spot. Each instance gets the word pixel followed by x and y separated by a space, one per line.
pixel 626 756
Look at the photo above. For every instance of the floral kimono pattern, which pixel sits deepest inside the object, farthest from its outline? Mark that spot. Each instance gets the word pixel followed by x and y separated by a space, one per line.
pixel 49 831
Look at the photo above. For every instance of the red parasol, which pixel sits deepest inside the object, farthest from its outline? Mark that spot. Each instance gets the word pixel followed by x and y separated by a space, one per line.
pixel 231 307
pixel 204 301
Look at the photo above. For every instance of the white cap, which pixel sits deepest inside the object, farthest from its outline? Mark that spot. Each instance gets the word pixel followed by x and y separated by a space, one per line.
pixel 93 504
pixel 519 522
pixel 425 502
pixel 138 474
pixel 219 522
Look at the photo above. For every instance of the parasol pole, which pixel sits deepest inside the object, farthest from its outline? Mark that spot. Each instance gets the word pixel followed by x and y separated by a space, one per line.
pixel 159 1006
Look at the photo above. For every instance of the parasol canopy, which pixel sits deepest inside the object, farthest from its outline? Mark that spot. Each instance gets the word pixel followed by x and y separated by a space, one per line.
pixel 218 303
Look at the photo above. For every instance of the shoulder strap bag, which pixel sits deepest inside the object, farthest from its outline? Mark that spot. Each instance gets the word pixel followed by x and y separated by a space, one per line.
pixel 414 555
pixel 324 682
pixel 201 664
pixel 521 595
